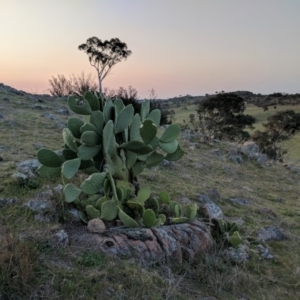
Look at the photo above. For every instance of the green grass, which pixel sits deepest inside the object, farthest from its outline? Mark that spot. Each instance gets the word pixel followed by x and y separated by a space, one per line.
pixel 36 268
pixel 292 145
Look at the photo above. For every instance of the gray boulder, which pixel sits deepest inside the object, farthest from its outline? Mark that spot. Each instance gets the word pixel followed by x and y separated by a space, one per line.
pixel 270 234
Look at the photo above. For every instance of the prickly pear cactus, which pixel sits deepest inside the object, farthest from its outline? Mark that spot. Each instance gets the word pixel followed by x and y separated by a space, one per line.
pixel 113 146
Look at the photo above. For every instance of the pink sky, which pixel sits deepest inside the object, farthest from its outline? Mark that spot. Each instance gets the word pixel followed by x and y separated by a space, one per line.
pixel 179 47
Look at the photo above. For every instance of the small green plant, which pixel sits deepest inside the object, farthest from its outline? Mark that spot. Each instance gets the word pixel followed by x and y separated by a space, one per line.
pixel 228 232
pixel 113 146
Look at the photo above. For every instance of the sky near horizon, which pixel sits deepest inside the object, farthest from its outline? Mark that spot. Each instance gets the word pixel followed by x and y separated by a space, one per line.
pixel 178 47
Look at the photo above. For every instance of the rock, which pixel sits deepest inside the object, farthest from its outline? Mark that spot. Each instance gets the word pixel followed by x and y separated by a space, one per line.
pixel 264 252
pixel 167 163
pixel 19 178
pixel 37 145
pixel 5 99
pixel 293 168
pixel 249 149
pixel 240 201
pixel 236 158
pixel 8 201
pixel 270 234
pixel 61 125
pixel 96 226
pixel 266 211
pixel 73 215
pixel 1 117
pixel 216 152
pixel 63 111
pixel 61 238
pixel 49 116
pixel 1 159
pixel 58 191
pixel 236 255
pixel 26 170
pixel 260 158
pixel 1 188
pixel 208 298
pixel 209 209
pixel 172 242
pixel 213 193
pixel 39 205
pixel 38 106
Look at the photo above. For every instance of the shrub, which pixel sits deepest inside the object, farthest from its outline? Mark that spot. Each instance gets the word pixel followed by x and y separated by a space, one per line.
pixel 221 116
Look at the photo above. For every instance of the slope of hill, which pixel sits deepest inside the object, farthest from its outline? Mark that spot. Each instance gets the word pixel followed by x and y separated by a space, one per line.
pixel 259 198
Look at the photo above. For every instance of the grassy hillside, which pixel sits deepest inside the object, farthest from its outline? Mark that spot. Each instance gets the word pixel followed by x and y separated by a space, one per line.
pixel 33 268
pixel 182 117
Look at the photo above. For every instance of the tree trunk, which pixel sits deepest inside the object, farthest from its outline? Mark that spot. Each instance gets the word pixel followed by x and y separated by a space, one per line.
pixel 100 85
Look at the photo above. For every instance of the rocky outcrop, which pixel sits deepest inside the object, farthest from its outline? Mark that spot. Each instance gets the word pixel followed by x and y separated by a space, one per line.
pixel 174 242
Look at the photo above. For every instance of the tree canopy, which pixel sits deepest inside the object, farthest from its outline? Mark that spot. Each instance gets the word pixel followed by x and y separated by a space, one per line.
pixel 221 115
pixel 103 55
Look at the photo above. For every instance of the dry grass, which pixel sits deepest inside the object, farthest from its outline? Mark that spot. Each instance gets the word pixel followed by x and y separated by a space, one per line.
pixel 39 270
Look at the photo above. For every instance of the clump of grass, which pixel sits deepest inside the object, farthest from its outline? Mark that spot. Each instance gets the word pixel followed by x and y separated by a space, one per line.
pixel 17 265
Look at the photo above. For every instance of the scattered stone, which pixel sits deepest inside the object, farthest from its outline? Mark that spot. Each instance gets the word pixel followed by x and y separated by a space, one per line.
pixel 213 193
pixel 240 201
pixel 39 205
pixel 37 145
pixel 209 209
pixel 44 218
pixel 58 191
pixel 167 163
pixel 49 116
pixel 188 134
pixel 39 106
pixel 73 215
pixel 96 226
pixel 5 99
pixel 264 252
pixel 61 125
pixel 260 158
pixel 61 238
pixel 266 211
pixel 8 201
pixel 249 149
pixel 293 168
pixel 236 159
pixel 237 255
pixel 63 111
pixel 270 234
pixel 238 221
pixel 19 178
pixel 216 152
pixel 27 169
pixel 208 298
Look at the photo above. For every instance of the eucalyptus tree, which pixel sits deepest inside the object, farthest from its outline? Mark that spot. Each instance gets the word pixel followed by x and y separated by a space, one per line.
pixel 103 55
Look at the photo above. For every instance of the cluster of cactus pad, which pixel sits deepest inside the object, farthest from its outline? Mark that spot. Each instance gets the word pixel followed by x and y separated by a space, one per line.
pixel 112 145
pixel 229 232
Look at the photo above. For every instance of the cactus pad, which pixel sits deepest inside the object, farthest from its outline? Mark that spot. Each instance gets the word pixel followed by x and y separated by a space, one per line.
pixel 148 131
pixel 71 192
pixel 149 218
pixel 49 158
pixel 109 210
pixel 70 167
pixel 171 133
pixel 93 183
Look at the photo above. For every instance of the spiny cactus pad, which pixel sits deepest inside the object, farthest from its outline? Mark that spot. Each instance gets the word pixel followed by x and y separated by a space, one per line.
pixel 93 183
pixel 70 167
pixel 71 192
pixel 49 158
